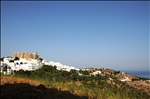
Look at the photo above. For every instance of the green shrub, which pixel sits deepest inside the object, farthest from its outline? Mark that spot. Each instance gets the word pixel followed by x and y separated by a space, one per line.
pixel 92 86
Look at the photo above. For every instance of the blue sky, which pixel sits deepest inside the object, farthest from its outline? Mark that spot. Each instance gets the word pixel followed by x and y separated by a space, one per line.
pixel 101 34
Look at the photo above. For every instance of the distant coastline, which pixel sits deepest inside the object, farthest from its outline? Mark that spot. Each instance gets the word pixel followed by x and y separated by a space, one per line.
pixel 144 74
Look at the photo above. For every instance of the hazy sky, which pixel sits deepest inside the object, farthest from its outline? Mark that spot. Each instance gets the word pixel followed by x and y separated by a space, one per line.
pixel 81 34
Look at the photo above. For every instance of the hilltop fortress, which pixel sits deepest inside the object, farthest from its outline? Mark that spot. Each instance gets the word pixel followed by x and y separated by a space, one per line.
pixel 28 61
pixel 26 55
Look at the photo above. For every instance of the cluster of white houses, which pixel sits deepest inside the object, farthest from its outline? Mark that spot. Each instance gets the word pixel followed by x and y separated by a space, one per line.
pixel 10 64
pixel 26 61
pixel 59 66
pixel 30 61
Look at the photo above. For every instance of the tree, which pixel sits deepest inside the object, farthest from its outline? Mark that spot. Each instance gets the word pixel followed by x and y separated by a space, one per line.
pixel 20 72
pixel 117 72
pixel 11 61
pixel 84 72
pixel 16 58
pixel 5 68
pixel 73 71
pixel 40 59
pixel 2 59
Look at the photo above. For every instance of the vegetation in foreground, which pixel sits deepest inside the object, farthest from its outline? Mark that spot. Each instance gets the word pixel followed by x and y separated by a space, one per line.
pixel 27 91
pixel 94 87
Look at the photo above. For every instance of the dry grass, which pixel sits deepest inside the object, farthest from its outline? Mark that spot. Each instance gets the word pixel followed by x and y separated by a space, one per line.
pixel 23 88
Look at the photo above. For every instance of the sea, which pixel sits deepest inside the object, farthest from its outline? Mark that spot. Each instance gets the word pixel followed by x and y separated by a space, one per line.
pixel 143 74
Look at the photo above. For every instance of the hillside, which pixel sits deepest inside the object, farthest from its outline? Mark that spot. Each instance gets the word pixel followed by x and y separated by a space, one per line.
pixel 23 88
pixel 82 84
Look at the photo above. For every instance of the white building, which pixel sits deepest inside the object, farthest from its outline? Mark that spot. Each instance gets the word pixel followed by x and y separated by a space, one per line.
pixel 96 72
pixel 125 79
pixel 22 63
pixel 59 66
pixel 31 64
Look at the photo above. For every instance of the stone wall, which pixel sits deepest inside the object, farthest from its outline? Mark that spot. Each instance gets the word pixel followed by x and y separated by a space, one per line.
pixel 26 55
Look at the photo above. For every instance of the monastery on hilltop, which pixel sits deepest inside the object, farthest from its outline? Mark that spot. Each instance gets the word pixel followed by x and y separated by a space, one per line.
pixel 26 55
pixel 28 62
pixel 31 61
pixel 25 61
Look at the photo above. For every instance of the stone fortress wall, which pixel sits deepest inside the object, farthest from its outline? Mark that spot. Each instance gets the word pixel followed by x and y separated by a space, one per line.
pixel 26 55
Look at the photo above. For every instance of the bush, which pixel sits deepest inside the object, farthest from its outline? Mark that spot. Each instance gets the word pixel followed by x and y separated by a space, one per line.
pixel 11 61
pixel 16 58
pixel 84 72
pixel 96 86
pixel 2 59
